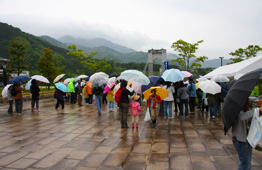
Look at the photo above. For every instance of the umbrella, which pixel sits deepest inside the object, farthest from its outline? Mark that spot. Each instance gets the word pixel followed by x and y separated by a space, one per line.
pixel 145 87
pixel 194 76
pixel 209 86
pixel 113 75
pixel 134 76
pixel 237 97
pixel 5 90
pixel 220 78
pixel 18 79
pixel 108 87
pixel 66 81
pixel 111 79
pixel 173 75
pixel 58 77
pixel 62 87
pixel 162 93
pixel 99 78
pixel 82 76
pixel 137 88
pixel 155 80
pixel 40 78
pixel 186 73
pixel 230 83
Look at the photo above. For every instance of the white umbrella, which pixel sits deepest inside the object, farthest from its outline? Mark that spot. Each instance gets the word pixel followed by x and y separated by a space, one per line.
pixel 28 85
pixel 58 77
pixel 82 76
pixel 99 78
pixel 40 78
pixel 220 78
pixel 112 79
pixel 209 86
pixel 5 90
pixel 66 81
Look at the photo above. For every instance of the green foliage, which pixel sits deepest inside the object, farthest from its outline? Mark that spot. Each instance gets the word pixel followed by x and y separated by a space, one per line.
pixel 246 53
pixel 17 50
pixel 102 66
pixel 46 65
pixel 186 51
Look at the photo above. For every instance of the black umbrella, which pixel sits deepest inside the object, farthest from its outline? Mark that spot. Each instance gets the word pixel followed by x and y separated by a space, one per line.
pixel 237 97
pixel 230 83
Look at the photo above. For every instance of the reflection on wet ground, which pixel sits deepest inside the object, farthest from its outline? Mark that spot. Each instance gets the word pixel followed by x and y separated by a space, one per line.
pixel 77 138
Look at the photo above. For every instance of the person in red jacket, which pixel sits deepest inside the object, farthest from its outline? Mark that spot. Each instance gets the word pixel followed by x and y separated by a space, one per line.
pixel 155 99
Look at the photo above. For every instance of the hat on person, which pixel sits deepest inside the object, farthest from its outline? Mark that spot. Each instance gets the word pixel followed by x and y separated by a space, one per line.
pixel 136 97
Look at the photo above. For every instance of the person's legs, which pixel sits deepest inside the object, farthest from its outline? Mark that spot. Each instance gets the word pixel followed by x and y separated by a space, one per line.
pixel 186 107
pixel 165 108
pixel 244 151
pixel 98 104
pixel 20 105
pixel 90 98
pixel 181 107
pixel 37 104
pixel 136 120
pixel 121 115
pixel 57 104
pixel 133 121
pixel 32 104
pixel 125 110
pixel 10 109
pixel 170 103
pixel 62 103
pixel 16 106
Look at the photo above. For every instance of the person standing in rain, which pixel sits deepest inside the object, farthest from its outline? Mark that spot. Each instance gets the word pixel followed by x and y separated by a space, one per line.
pixel 98 92
pixel 79 92
pixel 34 89
pixel 168 101
pixel 191 88
pixel 71 90
pixel 10 100
pixel 124 104
pixel 239 137
pixel 89 92
pixel 18 98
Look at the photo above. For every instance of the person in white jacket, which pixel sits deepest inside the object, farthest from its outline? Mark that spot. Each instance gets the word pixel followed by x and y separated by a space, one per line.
pixel 168 101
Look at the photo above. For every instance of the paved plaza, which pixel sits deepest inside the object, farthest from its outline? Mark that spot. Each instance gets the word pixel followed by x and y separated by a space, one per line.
pixel 77 138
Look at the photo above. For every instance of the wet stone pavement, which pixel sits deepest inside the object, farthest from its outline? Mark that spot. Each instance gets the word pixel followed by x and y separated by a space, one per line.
pixel 77 138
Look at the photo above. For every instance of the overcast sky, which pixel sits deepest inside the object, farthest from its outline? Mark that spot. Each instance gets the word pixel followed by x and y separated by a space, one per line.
pixel 224 25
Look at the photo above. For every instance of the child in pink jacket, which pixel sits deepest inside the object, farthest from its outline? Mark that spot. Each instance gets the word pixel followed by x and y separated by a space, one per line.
pixel 135 110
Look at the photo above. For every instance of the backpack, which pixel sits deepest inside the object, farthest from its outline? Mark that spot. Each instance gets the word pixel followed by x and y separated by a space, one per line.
pixel 12 91
pixel 118 95
pixel 97 90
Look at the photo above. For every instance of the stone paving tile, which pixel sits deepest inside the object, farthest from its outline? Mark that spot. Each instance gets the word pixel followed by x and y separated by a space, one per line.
pixel 77 138
pixel 22 163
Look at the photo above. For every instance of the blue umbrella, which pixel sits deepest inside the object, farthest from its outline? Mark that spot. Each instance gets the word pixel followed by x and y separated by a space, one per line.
pixel 173 75
pixel 18 79
pixel 155 80
pixel 62 87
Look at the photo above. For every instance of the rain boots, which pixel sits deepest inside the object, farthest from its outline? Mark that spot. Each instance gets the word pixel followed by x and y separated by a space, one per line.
pixel 136 125
pixel 133 125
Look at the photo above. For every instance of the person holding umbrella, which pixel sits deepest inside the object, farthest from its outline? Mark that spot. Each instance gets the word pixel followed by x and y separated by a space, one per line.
pixel 34 89
pixel 18 98
pixel 168 101
pixel 71 90
pixel 154 99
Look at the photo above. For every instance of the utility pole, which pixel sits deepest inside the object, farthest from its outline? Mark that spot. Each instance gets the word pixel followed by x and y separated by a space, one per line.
pixel 221 58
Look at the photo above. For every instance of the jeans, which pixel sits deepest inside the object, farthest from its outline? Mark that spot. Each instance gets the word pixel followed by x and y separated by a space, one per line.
pixel 18 105
pixel 244 151
pixel 199 103
pixel 111 105
pixel 169 105
pixel 10 109
pixel 98 103
pixel 213 110
pixel 183 102
pixel 33 102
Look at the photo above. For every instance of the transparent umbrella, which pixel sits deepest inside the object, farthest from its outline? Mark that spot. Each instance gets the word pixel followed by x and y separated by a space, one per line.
pixel 173 75
pixel 134 76
pixel 99 78
pixel 209 86
pixel 58 77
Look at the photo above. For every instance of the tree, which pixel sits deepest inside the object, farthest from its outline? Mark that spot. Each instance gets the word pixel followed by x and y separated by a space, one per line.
pixel 46 65
pixel 102 66
pixel 242 54
pixel 17 50
pixel 186 51
pixel 86 60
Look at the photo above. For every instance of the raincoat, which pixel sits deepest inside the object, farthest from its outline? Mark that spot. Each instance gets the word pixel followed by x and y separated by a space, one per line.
pixel 71 87
pixel 135 108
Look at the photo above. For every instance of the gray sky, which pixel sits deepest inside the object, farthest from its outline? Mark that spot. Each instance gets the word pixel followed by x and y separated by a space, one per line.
pixel 224 25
